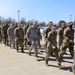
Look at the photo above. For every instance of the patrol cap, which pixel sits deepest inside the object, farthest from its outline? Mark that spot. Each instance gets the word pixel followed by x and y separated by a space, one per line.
pixel 11 24
pixel 62 24
pixel 53 27
pixel 50 22
pixel 70 23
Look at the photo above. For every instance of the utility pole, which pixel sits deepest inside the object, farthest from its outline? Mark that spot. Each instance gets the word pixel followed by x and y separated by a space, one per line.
pixel 18 16
pixel 70 18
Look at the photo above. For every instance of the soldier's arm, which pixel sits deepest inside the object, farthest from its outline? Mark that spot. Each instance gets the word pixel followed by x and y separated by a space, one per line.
pixel 15 33
pixel 46 32
pixel 59 32
pixel 24 30
pixel 28 33
pixel 40 34
pixel 8 31
pixel 66 34
pixel 49 38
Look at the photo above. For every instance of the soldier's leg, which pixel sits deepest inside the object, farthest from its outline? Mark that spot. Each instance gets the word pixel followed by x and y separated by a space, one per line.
pixel 39 43
pixel 58 44
pixel 46 42
pixel 6 40
pixel 47 58
pixel 10 41
pixel 35 48
pixel 22 50
pixel 58 59
pixel 13 43
pixel 25 42
pixel 48 53
pixel 31 47
pixel 30 44
pixel 17 47
pixel 71 50
pixel 62 52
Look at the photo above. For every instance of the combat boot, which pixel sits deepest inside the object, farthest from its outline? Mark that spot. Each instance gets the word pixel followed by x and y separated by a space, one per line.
pixel 46 62
pixel 14 46
pixel 17 49
pixel 29 52
pixel 60 66
pixel 22 50
pixel 37 59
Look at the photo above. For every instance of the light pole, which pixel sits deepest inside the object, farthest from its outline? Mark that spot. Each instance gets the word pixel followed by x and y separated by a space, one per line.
pixel 18 16
pixel 70 18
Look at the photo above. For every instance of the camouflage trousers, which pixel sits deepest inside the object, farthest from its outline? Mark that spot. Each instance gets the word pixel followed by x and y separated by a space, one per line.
pixel 26 42
pixel 38 43
pixel 49 51
pixel 64 47
pixel 19 42
pixel 34 46
pixel 5 39
pixel 11 41
pixel 59 42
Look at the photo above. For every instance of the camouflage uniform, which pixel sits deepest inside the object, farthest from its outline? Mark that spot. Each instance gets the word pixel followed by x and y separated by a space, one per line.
pixel 52 42
pixel 47 30
pixel 25 39
pixel 68 41
pixel 19 34
pixel 33 34
pixel 11 36
pixel 60 37
pixel 39 45
pixel 4 33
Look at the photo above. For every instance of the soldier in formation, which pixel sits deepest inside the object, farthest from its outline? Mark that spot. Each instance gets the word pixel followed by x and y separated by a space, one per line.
pixel 19 36
pixel 68 41
pixel 11 36
pixel 33 34
pixel 4 33
pixel 25 38
pixel 52 47
pixel 47 30
pixel 60 36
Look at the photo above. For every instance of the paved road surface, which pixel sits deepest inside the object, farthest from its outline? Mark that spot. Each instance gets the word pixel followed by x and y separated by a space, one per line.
pixel 13 63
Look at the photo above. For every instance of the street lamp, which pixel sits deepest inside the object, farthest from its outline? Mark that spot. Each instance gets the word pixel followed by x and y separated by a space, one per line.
pixel 18 16
pixel 70 18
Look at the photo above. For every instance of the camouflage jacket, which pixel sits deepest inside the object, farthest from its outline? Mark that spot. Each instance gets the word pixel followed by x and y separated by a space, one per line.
pixel 19 33
pixel 25 29
pixel 60 34
pixel 48 29
pixel 4 29
pixel 10 31
pixel 69 34
pixel 33 33
pixel 52 38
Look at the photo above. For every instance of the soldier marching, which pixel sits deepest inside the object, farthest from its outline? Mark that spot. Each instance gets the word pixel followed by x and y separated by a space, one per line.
pixel 56 41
